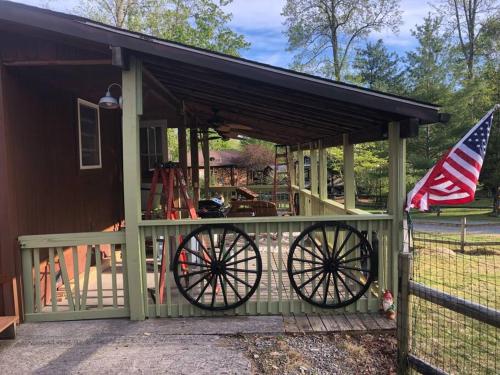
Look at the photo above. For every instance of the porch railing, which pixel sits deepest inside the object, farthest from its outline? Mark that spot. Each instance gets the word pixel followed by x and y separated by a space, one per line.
pixel 273 236
pixel 74 276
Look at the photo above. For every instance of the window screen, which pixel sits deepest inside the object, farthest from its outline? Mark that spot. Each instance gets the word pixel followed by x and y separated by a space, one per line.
pixel 89 135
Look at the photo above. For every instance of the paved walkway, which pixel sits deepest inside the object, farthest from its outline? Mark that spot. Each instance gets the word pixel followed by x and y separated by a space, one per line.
pixel 176 346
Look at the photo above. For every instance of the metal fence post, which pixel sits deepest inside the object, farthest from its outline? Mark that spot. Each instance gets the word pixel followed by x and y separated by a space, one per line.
pixel 403 306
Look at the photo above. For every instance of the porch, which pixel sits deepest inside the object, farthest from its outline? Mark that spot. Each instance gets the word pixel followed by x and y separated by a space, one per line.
pixel 110 258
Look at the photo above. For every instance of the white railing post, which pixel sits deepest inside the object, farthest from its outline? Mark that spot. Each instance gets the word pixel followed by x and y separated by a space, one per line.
pixel 132 109
pixel 349 182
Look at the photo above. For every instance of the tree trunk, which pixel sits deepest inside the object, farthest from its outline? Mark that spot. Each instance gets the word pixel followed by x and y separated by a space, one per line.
pixel 496 201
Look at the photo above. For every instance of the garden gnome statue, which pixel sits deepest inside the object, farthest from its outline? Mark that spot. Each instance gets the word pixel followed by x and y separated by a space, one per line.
pixel 388 305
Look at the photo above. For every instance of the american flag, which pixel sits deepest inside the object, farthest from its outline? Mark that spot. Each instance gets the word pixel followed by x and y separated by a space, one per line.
pixel 454 178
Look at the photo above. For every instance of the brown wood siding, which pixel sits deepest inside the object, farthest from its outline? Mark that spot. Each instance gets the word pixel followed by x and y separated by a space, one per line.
pixel 43 189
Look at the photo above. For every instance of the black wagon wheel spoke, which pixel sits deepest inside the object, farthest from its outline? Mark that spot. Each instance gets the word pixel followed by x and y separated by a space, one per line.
pixel 227 253
pixel 232 286
pixel 238 279
pixel 333 265
pixel 223 287
pixel 350 251
pixel 307 261
pixel 231 246
pixel 310 252
pixel 318 284
pixel 189 274
pixel 317 245
pixel 351 277
pixel 342 267
pixel 195 253
pixel 222 243
pixel 310 280
pixel 209 281
pixel 345 284
pixel 241 261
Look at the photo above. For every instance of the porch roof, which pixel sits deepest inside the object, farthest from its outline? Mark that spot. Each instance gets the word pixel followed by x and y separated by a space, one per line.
pixel 268 102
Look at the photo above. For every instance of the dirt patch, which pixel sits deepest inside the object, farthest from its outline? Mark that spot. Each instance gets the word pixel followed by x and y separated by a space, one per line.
pixel 321 354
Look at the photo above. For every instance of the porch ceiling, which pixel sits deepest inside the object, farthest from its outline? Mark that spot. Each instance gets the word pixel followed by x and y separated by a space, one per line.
pixel 270 111
pixel 273 103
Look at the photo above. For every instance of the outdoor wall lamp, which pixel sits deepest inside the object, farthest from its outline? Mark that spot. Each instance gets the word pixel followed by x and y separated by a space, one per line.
pixel 110 102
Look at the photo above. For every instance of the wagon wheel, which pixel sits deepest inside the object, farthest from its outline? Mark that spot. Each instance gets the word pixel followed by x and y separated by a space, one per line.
pixel 223 266
pixel 330 265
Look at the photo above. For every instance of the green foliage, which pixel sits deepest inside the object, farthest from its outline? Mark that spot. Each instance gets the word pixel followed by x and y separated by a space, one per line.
pixel 324 32
pixel 199 23
pixel 378 69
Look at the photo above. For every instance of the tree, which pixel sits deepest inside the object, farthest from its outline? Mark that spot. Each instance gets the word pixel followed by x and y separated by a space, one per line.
pixel 467 20
pixel 428 79
pixel 199 23
pixel 378 68
pixel 256 157
pixel 324 31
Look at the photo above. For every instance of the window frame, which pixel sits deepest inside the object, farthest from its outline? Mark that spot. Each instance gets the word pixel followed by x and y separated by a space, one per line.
pixel 155 124
pixel 82 102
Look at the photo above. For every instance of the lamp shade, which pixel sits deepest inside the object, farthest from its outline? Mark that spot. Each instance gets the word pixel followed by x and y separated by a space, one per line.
pixel 108 101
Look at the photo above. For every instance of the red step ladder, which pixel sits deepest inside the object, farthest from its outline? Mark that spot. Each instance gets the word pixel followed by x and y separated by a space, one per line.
pixel 282 175
pixel 171 176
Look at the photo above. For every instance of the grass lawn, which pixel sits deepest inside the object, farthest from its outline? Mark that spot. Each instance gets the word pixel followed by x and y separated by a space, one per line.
pixel 451 341
pixel 455 214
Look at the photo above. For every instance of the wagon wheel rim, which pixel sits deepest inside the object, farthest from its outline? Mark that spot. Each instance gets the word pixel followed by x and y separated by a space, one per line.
pixel 330 265
pixel 223 266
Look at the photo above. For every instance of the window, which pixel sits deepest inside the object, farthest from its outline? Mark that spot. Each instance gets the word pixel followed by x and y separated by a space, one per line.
pixel 153 142
pixel 89 135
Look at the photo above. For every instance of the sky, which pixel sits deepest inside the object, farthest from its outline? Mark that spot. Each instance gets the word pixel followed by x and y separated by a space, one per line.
pixel 262 24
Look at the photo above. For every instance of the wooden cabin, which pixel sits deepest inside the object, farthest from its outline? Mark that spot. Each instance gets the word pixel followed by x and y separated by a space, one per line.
pixel 84 109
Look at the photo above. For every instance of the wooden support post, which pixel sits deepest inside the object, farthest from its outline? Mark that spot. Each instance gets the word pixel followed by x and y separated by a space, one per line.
pixel 232 176
pixel 206 164
pixel 314 170
pixel 323 174
pixel 404 314
pixel 349 182
pixel 132 109
pixel 397 189
pixel 302 182
pixel 301 174
pixel 291 166
pixel 182 139
pixel 195 165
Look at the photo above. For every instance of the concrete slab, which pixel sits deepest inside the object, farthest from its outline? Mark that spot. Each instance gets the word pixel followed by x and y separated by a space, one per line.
pixel 119 346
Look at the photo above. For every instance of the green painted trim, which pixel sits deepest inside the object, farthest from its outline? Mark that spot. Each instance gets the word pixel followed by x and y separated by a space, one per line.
pixel 132 109
pixel 77 315
pixel 288 307
pixel 396 199
pixel 27 263
pixel 270 219
pixel 71 239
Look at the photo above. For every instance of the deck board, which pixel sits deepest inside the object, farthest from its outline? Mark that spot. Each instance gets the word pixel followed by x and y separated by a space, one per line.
pixel 316 323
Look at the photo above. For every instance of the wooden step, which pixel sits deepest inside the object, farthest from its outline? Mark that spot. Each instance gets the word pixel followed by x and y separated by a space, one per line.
pixel 8 327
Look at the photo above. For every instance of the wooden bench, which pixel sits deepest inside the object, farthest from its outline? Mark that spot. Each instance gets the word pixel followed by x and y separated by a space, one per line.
pixel 7 323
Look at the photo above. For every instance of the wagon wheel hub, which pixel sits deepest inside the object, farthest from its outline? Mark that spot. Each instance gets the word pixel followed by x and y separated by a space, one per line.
pixel 218 268
pixel 331 265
